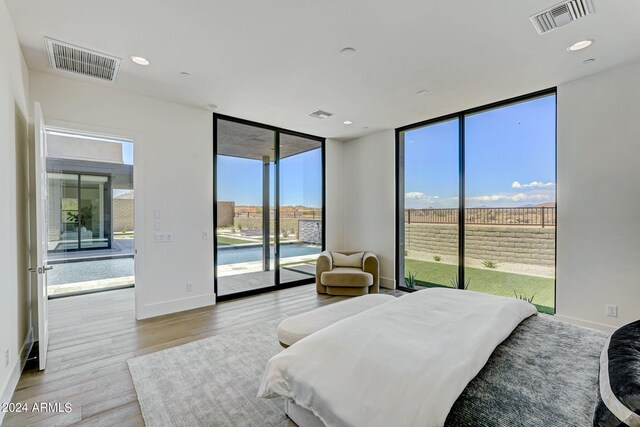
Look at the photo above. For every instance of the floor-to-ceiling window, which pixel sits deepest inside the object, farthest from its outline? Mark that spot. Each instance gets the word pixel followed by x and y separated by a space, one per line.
pixel 477 193
pixel 269 192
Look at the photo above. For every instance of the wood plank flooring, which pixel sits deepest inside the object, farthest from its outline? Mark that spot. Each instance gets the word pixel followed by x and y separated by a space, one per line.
pixel 92 336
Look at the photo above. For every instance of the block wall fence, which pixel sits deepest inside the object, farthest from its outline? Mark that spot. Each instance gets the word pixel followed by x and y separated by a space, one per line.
pixel 517 244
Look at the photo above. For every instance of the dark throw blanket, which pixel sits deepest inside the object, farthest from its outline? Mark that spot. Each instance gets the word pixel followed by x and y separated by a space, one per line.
pixel 544 375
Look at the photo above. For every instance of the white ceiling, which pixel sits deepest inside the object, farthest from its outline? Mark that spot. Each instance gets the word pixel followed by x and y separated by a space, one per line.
pixel 275 61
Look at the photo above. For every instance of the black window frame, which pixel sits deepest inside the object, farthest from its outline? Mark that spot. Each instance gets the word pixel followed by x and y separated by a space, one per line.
pixel 277 131
pixel 400 188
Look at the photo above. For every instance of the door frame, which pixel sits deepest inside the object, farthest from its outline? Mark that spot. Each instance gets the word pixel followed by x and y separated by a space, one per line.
pixel 277 132
pixel 137 139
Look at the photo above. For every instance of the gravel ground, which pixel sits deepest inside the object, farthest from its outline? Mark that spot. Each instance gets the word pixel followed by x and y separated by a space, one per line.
pixel 508 267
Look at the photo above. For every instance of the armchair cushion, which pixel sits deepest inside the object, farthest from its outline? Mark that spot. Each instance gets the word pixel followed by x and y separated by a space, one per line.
pixel 344 260
pixel 346 277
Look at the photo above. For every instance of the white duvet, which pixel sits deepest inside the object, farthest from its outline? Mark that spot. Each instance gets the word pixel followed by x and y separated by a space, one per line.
pixel 403 363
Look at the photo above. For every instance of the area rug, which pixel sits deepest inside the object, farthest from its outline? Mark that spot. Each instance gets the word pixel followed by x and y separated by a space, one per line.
pixel 211 382
pixel 544 375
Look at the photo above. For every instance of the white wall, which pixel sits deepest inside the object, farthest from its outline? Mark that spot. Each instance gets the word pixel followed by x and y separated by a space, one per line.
pixel 369 199
pixel 599 196
pixel 15 323
pixel 173 150
pixel 334 203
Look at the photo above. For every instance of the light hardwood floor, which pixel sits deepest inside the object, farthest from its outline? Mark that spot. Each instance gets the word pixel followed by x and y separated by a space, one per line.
pixel 92 336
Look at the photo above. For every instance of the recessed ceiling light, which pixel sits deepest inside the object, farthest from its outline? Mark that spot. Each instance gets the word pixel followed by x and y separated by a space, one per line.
pixel 583 44
pixel 589 61
pixel 184 73
pixel 347 122
pixel 422 92
pixel 348 51
pixel 140 60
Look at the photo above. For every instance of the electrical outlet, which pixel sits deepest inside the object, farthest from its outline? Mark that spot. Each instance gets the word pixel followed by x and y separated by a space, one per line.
pixel 205 235
pixel 612 310
pixel 189 287
pixel 6 358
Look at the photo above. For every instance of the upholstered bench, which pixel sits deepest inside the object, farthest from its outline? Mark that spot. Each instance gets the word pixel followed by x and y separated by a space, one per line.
pixel 294 328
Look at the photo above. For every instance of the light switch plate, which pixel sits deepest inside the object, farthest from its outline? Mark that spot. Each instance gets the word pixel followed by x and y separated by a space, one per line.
pixel 612 310
pixel 156 213
pixel 205 235
pixel 163 237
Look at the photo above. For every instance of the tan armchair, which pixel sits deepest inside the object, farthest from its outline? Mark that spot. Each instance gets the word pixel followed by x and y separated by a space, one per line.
pixel 349 281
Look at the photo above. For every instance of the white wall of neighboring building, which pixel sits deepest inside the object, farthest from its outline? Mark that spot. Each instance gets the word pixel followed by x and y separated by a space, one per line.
pixel 64 147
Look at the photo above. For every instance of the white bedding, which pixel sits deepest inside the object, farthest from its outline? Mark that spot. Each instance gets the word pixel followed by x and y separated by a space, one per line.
pixel 403 363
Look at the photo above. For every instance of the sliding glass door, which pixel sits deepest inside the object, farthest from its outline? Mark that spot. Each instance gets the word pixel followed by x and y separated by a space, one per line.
pixel 301 219
pixel 478 201
pixel 269 192
pixel 79 211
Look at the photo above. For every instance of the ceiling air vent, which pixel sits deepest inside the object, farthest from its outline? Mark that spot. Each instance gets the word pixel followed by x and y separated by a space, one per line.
pixel 319 114
pixel 82 61
pixel 561 14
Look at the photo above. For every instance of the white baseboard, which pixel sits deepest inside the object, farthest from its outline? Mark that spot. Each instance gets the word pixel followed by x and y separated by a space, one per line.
pixel 18 366
pixel 388 283
pixel 174 306
pixel 586 323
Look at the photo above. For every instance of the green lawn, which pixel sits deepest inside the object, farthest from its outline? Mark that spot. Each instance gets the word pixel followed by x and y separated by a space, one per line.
pixel 434 274
pixel 226 240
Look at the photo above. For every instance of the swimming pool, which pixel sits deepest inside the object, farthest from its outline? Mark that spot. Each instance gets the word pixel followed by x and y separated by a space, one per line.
pixel 97 269
pixel 237 254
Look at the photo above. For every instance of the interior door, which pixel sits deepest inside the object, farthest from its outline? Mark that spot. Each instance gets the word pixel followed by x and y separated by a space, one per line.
pixel 42 227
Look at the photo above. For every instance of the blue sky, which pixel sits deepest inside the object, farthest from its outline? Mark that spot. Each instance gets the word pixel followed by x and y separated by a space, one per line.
pixel 510 158
pixel 240 180
pixel 127 153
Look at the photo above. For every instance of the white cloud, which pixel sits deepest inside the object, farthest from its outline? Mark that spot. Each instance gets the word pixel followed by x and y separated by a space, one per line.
pixel 519 197
pixel 533 184
pixel 415 195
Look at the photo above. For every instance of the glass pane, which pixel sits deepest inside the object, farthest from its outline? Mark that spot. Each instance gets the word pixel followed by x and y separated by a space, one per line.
pixel 431 185
pixel 245 162
pixel 300 207
pixel 511 201
pixel 63 211
pixel 94 212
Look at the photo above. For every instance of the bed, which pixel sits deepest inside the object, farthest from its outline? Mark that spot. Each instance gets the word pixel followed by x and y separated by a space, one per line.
pixel 545 373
